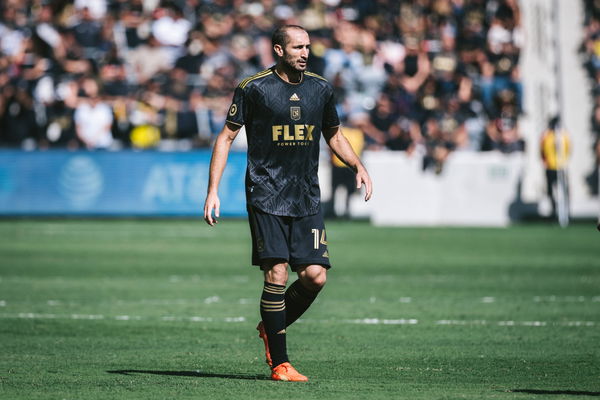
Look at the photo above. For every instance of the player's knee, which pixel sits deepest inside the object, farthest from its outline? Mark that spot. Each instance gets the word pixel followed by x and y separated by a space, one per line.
pixel 276 273
pixel 315 277
pixel 319 281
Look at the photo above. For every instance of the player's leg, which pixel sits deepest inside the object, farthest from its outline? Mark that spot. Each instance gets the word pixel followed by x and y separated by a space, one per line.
pixel 301 294
pixel 309 258
pixel 270 253
pixel 272 311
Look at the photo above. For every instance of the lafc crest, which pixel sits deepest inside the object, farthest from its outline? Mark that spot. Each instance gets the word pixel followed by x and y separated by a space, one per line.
pixel 295 113
pixel 232 110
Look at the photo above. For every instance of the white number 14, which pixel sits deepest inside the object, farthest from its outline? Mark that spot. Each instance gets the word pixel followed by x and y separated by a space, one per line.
pixel 316 241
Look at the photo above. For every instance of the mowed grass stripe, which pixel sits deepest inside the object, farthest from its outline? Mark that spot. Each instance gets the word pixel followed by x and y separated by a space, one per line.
pixel 174 324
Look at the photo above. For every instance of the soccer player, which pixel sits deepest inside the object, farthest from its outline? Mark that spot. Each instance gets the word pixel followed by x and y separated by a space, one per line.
pixel 285 109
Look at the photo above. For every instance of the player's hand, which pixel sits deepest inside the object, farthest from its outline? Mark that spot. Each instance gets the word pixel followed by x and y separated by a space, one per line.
pixel 211 203
pixel 362 177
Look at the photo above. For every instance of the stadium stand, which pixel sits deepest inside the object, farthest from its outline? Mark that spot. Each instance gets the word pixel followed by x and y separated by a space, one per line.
pixel 591 51
pixel 430 76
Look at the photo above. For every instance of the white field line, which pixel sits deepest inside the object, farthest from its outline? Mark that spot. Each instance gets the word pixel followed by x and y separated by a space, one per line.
pixel 359 321
pixel 216 299
pixel 378 321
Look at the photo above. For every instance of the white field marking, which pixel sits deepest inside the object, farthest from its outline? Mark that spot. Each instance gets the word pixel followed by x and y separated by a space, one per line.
pixel 519 323
pixel 199 319
pixel 241 278
pixel 212 299
pixel 534 323
pixel 460 322
pixel 128 318
pixel 360 321
pixel 185 278
pixel 565 299
pixel 216 299
pixel 176 302
pixel 579 323
pixel 87 316
pixel 377 321
pixel 51 229
pixel 34 316
pixel 235 319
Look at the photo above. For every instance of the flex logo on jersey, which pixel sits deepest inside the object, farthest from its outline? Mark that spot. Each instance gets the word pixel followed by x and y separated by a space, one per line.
pixel 292 135
pixel 295 113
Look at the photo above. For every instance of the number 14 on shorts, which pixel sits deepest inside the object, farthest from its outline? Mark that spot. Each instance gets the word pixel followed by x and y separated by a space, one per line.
pixel 316 236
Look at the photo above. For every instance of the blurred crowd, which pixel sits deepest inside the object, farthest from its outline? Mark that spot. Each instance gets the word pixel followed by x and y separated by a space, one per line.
pixel 591 52
pixel 431 76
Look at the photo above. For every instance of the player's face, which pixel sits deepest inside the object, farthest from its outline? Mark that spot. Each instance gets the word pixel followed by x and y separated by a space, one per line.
pixel 297 49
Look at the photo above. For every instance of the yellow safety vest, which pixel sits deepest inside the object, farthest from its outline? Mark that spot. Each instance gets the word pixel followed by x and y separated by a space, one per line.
pixel 357 141
pixel 556 157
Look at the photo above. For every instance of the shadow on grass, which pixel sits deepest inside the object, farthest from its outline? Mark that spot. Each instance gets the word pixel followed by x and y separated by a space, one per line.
pixel 556 392
pixel 194 374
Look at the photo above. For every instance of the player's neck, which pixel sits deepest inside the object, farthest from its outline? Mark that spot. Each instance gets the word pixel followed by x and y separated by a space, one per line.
pixel 287 74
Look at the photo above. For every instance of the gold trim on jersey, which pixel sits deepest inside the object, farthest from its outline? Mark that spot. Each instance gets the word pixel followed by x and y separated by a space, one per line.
pixel 261 74
pixel 315 75
pixel 234 123
pixel 291 83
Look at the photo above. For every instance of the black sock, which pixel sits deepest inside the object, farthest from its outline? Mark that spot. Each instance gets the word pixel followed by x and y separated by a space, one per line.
pixel 297 300
pixel 272 311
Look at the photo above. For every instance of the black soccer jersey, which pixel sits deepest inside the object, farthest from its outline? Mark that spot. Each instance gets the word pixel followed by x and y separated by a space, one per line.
pixel 283 125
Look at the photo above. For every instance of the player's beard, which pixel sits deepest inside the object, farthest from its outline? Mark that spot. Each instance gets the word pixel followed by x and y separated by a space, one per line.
pixel 294 64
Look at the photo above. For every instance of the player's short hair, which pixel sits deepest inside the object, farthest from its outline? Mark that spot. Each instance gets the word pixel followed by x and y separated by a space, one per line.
pixel 280 35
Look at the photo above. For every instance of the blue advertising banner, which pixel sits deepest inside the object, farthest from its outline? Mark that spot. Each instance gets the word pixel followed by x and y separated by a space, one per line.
pixel 116 183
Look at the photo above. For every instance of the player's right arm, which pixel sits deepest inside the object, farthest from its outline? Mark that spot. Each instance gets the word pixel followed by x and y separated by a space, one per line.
pixel 217 166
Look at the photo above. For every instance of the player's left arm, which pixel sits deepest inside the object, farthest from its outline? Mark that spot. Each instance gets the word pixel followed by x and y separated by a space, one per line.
pixel 342 148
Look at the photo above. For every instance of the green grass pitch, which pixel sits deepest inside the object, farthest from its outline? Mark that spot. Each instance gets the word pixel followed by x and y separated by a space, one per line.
pixel 167 309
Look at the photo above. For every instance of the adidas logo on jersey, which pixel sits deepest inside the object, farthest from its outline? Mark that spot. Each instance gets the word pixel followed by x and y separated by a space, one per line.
pixel 294 97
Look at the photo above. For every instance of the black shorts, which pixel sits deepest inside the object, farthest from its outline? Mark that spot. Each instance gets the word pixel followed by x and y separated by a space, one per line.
pixel 296 240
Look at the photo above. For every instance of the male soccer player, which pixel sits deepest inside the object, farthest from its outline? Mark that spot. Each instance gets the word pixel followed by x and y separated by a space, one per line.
pixel 285 110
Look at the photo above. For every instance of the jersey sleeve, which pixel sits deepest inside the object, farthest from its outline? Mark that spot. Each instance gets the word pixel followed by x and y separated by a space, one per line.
pixel 330 115
pixel 236 112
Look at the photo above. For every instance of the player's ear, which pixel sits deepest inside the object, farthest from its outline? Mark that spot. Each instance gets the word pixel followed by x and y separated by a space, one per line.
pixel 278 50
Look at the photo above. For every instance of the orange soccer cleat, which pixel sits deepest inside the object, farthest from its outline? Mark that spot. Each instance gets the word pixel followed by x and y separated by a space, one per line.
pixel 263 335
pixel 285 372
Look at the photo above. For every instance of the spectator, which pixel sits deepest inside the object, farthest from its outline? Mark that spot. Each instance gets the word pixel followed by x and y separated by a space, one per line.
pixel 88 34
pixel 170 29
pixel 502 135
pixel 17 117
pixel 148 60
pixel 438 146
pixel 432 73
pixel 591 51
pixel 93 118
